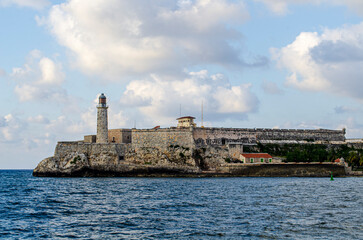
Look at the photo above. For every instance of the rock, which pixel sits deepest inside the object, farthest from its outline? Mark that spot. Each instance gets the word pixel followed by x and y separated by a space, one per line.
pixel 78 159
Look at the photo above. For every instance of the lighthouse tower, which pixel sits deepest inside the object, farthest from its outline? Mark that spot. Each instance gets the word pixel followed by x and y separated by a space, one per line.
pixel 102 122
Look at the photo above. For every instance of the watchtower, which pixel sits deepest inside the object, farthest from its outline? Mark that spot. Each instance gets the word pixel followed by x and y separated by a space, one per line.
pixel 102 122
pixel 186 121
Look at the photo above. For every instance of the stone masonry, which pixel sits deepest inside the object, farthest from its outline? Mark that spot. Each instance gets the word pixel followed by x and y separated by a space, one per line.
pixel 248 136
pixel 102 125
pixel 119 135
pixel 162 138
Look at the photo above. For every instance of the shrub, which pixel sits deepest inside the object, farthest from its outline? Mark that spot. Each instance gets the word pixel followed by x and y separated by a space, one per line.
pixel 75 159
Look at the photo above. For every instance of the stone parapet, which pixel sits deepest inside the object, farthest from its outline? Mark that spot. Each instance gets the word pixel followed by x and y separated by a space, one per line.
pixel 222 136
pixel 162 138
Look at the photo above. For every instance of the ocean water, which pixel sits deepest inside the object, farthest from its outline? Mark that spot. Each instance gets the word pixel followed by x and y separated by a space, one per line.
pixel 179 208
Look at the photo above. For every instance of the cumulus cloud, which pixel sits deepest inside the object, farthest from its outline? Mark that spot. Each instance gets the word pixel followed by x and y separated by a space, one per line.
pixel 159 99
pixel 85 123
pixel 39 79
pixel 135 37
pixel 271 88
pixel 344 109
pixel 10 127
pixel 36 4
pixel 40 119
pixel 353 127
pixel 331 61
pixel 2 72
pixel 281 7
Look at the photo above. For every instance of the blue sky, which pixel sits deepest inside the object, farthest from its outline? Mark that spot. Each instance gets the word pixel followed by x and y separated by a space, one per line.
pixel 253 63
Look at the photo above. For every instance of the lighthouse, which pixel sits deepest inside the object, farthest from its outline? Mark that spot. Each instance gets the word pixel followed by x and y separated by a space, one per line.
pixel 102 122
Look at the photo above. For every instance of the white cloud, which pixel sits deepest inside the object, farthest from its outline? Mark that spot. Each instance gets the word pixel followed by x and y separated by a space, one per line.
pixel 159 99
pixel 281 7
pixel 84 124
pixel 39 79
pixel 353 128
pixel 344 109
pixel 2 72
pixel 271 88
pixel 36 4
pixel 51 73
pixel 11 127
pixel 120 37
pixel 331 61
pixel 40 119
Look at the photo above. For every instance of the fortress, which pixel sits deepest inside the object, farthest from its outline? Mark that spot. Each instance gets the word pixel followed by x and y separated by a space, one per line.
pixel 189 135
pixel 182 150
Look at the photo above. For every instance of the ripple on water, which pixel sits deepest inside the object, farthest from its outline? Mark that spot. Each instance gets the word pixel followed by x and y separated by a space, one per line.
pixel 179 208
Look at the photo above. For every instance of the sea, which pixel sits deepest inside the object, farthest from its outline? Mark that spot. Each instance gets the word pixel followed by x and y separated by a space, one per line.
pixel 179 208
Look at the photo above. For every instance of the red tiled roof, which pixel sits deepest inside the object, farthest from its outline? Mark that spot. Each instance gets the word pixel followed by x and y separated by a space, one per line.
pixel 186 117
pixel 256 155
pixel 337 160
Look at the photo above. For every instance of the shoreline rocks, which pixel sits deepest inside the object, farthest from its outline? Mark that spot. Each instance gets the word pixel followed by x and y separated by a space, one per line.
pixel 78 159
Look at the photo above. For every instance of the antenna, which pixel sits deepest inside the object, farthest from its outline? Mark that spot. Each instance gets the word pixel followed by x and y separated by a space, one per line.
pixel 135 124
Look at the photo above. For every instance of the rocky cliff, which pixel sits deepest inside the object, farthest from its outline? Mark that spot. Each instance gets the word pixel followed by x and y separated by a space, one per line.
pixel 79 159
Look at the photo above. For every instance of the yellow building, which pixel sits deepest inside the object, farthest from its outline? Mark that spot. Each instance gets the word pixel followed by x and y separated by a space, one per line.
pixel 186 121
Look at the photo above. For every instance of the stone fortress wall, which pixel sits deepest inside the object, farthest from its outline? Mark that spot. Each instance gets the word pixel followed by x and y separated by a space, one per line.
pixel 119 135
pixel 162 138
pixel 248 136
pixel 223 136
pixel 173 151
pixel 200 137
pixel 300 134
pixel 92 151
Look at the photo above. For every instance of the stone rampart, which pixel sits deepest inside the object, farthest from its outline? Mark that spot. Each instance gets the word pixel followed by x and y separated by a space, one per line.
pixel 162 138
pixel 92 151
pixel 245 136
pixel 300 134
pixel 223 136
pixel 119 135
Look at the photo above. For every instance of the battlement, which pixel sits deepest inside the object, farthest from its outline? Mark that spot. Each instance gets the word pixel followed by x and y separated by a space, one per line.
pixel 222 136
pixel 162 137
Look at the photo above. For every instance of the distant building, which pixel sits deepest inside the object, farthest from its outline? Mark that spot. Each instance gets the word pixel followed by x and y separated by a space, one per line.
pixel 186 121
pixel 256 158
pixel 119 135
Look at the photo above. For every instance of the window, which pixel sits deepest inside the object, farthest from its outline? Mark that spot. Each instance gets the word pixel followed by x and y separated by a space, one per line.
pixel 113 139
pixel 251 159
pixel 270 159
pixel 261 159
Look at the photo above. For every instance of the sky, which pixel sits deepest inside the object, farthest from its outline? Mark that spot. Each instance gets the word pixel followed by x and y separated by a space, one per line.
pixel 252 63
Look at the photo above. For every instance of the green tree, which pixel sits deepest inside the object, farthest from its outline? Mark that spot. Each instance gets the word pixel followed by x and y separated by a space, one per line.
pixel 361 161
pixel 353 158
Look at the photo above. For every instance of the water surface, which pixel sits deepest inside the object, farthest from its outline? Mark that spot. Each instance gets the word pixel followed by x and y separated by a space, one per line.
pixel 179 208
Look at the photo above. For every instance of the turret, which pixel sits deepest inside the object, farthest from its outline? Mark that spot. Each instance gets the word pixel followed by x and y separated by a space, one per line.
pixel 102 122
